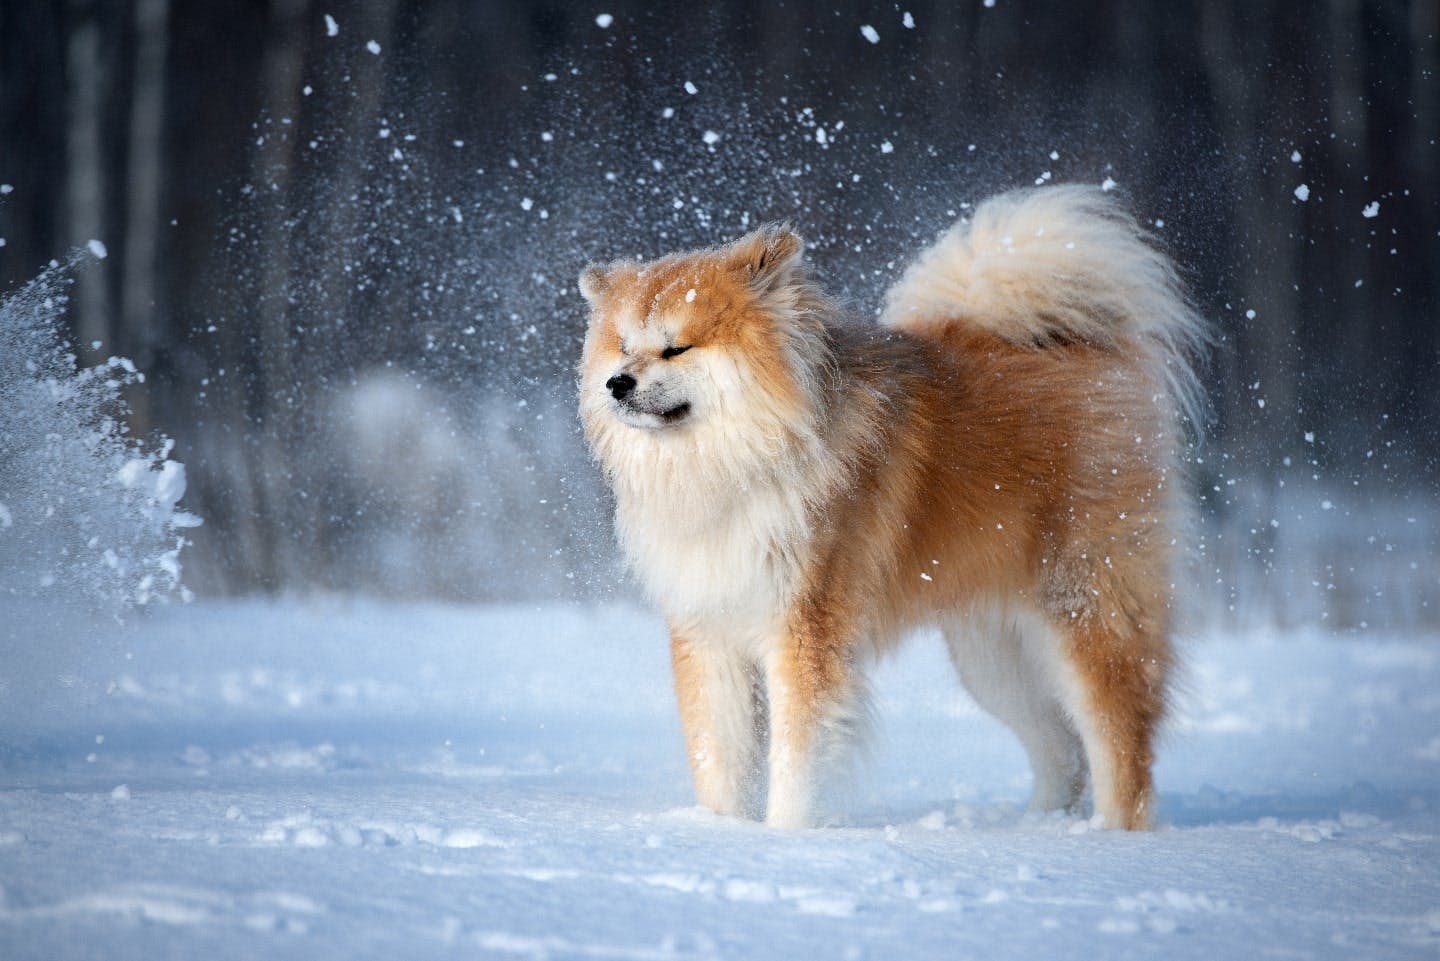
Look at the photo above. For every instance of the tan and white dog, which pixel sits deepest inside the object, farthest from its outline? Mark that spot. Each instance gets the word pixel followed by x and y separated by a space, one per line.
pixel 998 457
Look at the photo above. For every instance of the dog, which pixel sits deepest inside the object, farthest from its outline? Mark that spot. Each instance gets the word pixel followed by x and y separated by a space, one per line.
pixel 999 457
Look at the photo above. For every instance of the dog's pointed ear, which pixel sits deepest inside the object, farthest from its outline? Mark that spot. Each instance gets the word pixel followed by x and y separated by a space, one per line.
pixel 594 281
pixel 770 255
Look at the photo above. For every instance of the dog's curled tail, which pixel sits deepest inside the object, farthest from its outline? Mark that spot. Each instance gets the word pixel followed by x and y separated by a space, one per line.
pixel 1054 265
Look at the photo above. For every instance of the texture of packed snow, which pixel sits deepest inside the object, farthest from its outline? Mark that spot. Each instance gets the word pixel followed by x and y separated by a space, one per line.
pixel 346 778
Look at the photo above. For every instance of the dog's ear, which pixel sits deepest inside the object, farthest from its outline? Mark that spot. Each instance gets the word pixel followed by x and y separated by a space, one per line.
pixel 770 255
pixel 594 281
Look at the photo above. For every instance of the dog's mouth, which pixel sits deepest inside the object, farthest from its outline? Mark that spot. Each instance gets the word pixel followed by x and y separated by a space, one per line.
pixel 650 418
pixel 653 419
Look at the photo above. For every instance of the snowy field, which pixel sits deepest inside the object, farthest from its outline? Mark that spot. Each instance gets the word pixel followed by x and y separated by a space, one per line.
pixel 350 779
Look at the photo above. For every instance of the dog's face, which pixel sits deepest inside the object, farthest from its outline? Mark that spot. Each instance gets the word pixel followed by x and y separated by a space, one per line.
pixel 680 344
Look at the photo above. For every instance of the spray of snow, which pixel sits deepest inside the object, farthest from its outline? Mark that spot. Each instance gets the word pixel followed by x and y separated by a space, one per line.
pixel 90 513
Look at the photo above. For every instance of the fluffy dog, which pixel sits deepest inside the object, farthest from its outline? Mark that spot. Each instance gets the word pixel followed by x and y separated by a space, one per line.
pixel 998 458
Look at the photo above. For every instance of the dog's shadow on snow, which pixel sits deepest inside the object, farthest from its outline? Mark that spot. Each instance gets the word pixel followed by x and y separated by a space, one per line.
pixel 1357 806
pixel 1351 806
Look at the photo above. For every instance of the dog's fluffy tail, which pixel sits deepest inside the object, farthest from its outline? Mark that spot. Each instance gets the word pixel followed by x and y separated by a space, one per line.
pixel 1058 264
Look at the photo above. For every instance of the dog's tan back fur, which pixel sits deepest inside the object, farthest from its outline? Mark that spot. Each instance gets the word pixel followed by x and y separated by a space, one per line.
pixel 1002 451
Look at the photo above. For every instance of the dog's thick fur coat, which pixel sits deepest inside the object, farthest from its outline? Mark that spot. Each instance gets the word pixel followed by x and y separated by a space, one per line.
pixel 998 458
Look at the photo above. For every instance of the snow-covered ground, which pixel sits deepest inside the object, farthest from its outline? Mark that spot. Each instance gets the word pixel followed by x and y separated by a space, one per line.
pixel 350 779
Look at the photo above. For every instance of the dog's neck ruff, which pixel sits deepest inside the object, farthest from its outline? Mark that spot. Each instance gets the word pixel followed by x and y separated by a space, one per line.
pixel 716 522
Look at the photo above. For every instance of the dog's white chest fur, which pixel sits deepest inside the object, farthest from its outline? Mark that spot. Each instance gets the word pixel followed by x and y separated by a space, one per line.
pixel 734 559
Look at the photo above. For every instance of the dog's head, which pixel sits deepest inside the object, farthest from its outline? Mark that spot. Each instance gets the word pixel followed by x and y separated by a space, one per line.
pixel 712 339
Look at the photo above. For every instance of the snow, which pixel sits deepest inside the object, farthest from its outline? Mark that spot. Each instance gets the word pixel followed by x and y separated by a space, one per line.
pixel 342 777
pixel 604 20
pixel 1302 192
pixel 90 511
pixel 908 20
pixel 332 29
pixel 870 33
pixel 1372 209
pixel 97 249
pixel 373 47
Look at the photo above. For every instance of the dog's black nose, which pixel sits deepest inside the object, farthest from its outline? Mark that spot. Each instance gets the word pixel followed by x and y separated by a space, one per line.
pixel 620 386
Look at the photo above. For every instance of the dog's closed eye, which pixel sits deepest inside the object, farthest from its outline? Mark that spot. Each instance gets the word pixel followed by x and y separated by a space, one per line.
pixel 669 352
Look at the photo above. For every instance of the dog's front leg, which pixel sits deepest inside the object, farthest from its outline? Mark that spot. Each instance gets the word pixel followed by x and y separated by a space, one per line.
pixel 722 714
pixel 817 704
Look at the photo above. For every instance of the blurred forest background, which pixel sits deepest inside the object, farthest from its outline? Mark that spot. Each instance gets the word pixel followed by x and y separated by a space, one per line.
pixel 343 239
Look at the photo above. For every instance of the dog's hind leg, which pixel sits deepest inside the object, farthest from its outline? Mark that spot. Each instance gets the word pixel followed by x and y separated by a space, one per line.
pixel 994 654
pixel 1116 695
pixel 723 716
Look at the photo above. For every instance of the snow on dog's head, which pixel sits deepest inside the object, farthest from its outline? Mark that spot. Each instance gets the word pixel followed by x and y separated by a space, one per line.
pixel 711 349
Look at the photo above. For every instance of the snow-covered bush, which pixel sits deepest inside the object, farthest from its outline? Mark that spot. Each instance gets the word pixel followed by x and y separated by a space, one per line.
pixel 87 512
